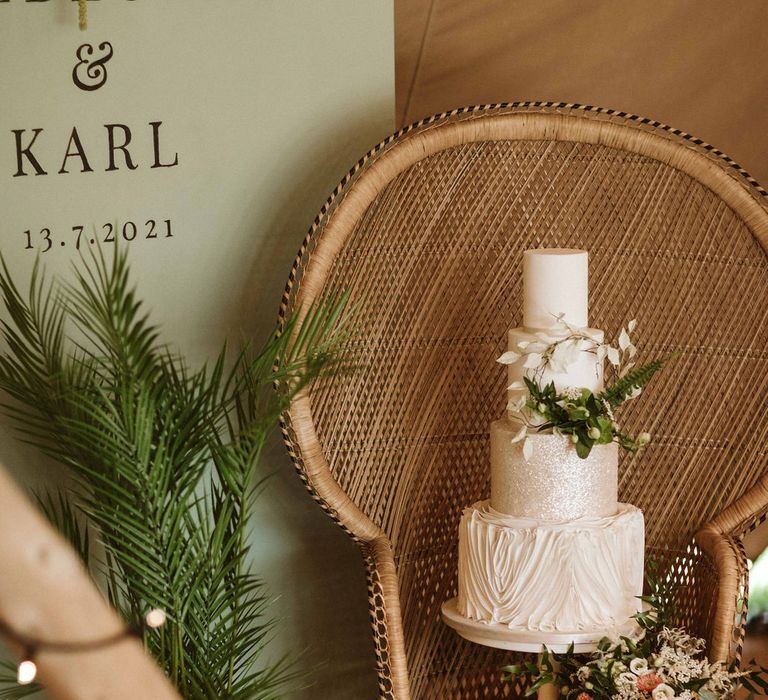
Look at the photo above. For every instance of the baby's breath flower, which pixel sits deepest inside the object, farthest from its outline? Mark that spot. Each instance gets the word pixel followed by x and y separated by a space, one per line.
pixel 572 393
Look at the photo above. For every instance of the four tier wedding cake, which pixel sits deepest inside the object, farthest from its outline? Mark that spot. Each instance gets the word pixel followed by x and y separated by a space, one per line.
pixel 552 550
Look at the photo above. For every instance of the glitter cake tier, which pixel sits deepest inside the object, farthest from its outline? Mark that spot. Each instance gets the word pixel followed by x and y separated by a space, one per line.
pixel 554 483
pixel 538 575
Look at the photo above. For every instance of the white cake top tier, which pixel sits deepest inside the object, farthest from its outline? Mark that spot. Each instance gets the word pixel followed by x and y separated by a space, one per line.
pixel 555 281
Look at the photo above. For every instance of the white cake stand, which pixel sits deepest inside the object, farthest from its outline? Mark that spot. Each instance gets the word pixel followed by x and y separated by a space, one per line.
pixel 502 637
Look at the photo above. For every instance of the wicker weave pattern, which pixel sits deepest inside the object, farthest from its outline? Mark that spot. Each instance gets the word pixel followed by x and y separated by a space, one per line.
pixel 427 231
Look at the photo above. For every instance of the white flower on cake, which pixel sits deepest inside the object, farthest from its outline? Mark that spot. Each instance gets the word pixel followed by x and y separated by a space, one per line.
pixel 516 405
pixel 625 344
pixel 584 413
pixel 508 358
pixel 534 360
pixel 564 355
pixel 520 435
pixel 527 449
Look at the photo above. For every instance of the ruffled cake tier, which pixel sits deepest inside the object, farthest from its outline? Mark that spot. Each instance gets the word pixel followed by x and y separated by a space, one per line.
pixel 578 575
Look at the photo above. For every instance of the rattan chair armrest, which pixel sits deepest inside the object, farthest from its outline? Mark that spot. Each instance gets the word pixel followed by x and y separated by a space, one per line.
pixel 746 512
pixel 721 539
pixel 312 465
pixel 726 552
pixel 388 631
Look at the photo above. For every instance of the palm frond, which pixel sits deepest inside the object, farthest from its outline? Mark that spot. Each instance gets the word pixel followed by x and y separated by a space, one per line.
pixel 165 460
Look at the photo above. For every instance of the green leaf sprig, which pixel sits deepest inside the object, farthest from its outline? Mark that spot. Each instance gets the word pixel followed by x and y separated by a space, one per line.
pixel 586 417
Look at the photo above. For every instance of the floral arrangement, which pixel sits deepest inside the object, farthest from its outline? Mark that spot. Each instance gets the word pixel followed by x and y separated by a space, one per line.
pixel 586 417
pixel 665 662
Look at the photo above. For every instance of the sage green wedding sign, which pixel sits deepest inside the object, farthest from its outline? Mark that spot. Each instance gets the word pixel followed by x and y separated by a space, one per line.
pixel 204 136
pixel 186 129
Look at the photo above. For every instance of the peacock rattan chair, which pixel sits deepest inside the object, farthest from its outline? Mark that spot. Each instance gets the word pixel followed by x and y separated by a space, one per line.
pixel 426 232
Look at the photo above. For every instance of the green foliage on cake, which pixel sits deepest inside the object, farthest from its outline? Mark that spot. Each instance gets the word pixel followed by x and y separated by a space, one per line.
pixel 587 418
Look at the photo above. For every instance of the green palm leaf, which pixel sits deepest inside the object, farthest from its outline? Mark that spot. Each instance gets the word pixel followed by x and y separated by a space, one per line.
pixel 164 459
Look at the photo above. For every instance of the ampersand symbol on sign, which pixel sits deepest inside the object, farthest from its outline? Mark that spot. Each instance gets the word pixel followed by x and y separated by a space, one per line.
pixel 89 72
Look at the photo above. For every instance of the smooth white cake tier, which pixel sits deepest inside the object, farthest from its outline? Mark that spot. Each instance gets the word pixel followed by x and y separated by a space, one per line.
pixel 555 281
pixel 554 483
pixel 532 574
pixel 583 368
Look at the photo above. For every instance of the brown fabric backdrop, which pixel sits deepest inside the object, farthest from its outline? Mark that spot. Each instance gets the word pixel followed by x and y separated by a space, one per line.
pixel 697 65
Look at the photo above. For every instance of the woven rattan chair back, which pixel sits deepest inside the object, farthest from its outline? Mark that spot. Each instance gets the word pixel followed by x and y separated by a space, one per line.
pixel 426 232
